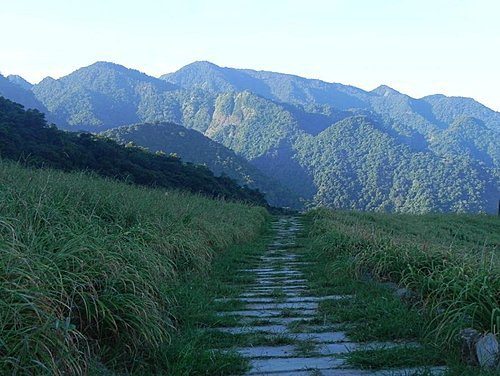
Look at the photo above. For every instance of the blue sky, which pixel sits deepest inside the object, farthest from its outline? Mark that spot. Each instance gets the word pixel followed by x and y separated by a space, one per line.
pixel 417 47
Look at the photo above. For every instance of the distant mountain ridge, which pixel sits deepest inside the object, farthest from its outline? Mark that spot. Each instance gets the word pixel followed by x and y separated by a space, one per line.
pixel 275 86
pixel 295 130
pixel 19 81
pixel 12 87
pixel 98 96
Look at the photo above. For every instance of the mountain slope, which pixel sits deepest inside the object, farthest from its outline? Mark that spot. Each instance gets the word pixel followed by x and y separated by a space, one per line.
pixel 275 86
pixel 20 81
pixel 294 129
pixel 192 146
pixel 20 94
pixel 368 169
pixel 425 115
pixel 25 136
pixel 99 96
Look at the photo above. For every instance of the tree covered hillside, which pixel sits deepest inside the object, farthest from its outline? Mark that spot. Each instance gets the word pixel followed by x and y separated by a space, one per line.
pixel 100 96
pixel 20 81
pixel 368 169
pixel 11 88
pixel 25 136
pixel 192 146
pixel 323 141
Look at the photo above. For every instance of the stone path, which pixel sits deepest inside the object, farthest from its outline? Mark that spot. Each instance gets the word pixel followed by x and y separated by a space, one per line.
pixel 279 301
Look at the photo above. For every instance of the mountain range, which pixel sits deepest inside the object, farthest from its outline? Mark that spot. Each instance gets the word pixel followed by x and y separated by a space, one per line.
pixel 302 142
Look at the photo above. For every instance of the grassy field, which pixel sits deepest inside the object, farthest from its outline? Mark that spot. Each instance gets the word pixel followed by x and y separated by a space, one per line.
pixel 90 269
pixel 449 263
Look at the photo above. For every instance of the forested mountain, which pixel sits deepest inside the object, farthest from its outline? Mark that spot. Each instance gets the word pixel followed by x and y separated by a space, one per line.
pixel 26 137
pixel 324 141
pixel 435 109
pixel 100 96
pixel 276 86
pixel 194 147
pixel 20 81
pixel 368 169
pixel 10 88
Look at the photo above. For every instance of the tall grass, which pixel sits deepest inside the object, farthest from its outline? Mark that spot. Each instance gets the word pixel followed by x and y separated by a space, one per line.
pixel 86 264
pixel 451 261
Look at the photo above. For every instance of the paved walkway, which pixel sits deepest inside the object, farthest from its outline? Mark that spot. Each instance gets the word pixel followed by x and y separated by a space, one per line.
pixel 279 299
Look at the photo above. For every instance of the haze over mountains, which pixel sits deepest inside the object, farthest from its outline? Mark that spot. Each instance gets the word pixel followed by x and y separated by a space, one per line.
pixel 303 142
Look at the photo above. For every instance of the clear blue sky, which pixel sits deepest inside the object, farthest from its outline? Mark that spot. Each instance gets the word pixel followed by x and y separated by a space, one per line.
pixel 419 47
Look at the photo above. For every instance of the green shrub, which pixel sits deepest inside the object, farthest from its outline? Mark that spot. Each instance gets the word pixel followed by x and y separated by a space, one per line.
pixel 86 264
pixel 451 261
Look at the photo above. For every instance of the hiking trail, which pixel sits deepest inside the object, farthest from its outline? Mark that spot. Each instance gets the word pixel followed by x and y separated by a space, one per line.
pixel 281 304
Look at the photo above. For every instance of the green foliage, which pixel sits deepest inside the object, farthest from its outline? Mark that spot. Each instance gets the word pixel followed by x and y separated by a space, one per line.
pixel 397 358
pixel 10 88
pixel 450 261
pixel 87 267
pixel 194 349
pixel 376 313
pixel 359 166
pixel 25 135
pixel 84 99
pixel 275 86
pixel 194 147
pixel 331 144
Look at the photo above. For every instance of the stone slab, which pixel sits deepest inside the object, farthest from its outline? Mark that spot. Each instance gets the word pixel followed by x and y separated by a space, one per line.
pixel 277 272
pixel 265 294
pixel 351 372
pixel 271 289
pixel 345 347
pixel 293 305
pixel 267 351
pixel 278 258
pixel 280 280
pixel 282 320
pixel 268 329
pixel 295 299
pixel 278 277
pixel 435 371
pixel 260 366
pixel 257 270
pixel 290 350
pixel 276 287
pixel 318 298
pixel 265 313
pixel 251 313
pixel 326 337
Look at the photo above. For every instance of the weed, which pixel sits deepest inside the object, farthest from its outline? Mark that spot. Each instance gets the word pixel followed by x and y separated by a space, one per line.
pixel 89 265
pixel 450 262
pixel 396 357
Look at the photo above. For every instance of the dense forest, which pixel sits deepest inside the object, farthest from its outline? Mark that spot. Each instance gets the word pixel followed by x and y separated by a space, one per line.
pixel 26 137
pixel 196 148
pixel 329 144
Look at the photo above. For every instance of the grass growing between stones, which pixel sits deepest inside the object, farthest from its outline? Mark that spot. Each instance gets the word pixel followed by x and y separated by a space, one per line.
pixel 229 305
pixel 306 349
pixel 99 276
pixel 223 340
pixel 303 326
pixel 198 349
pixel 291 313
pixel 370 312
pixel 377 315
pixel 450 262
pixel 398 357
